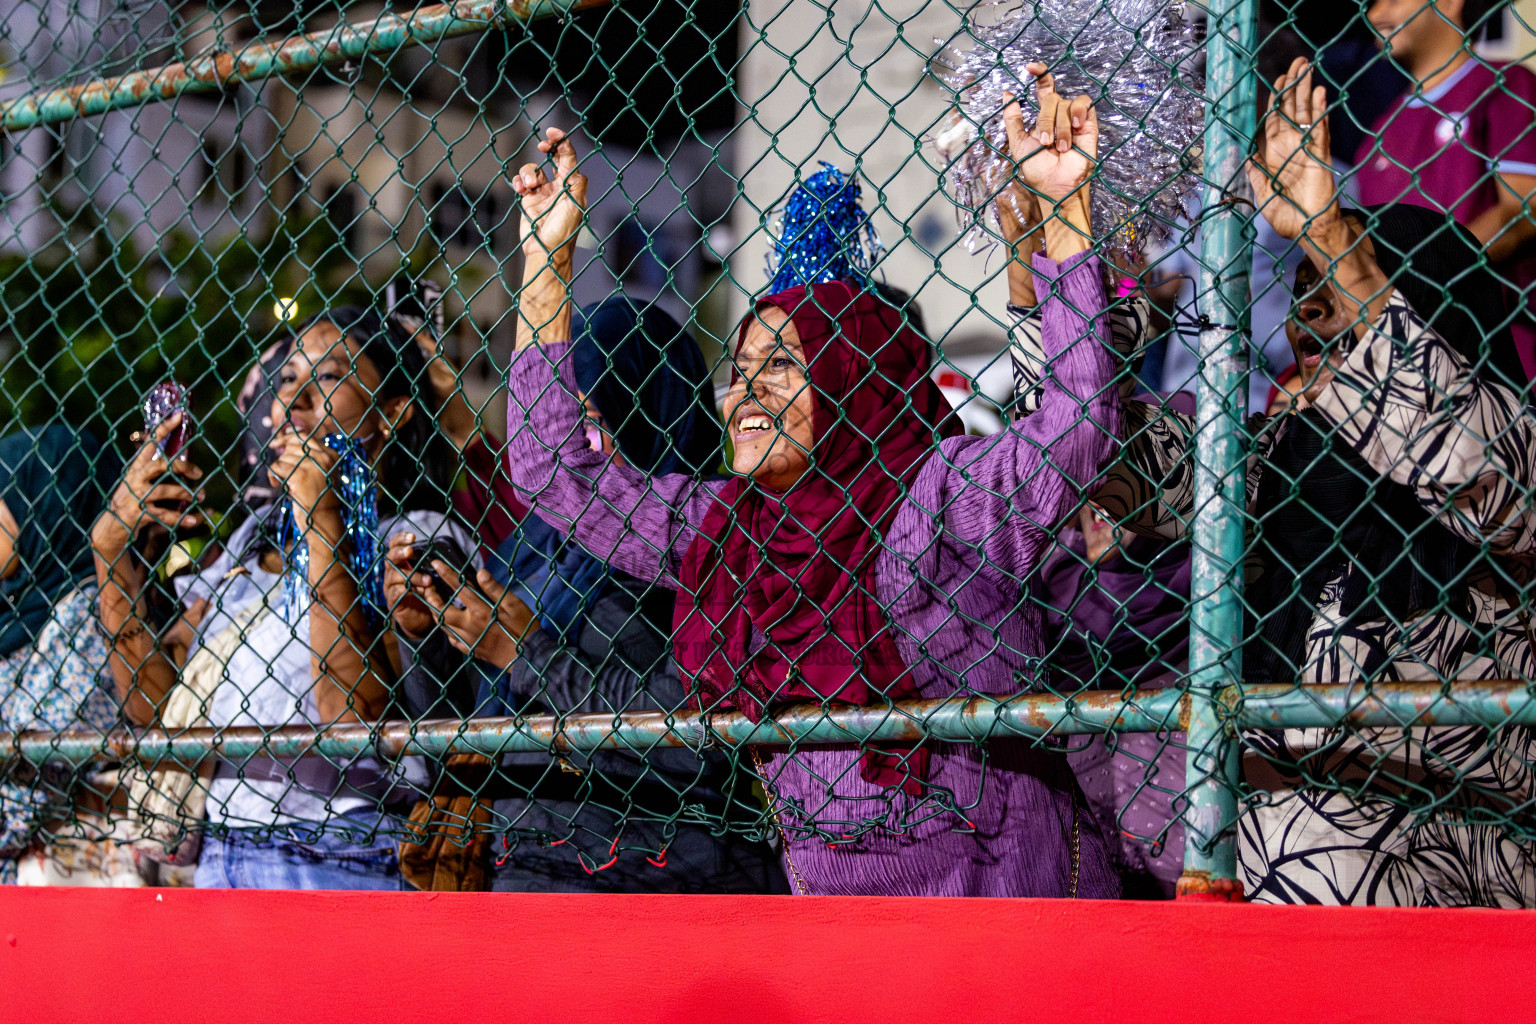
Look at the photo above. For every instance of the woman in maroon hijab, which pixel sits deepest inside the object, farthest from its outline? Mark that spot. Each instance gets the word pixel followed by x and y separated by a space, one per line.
pixel 864 552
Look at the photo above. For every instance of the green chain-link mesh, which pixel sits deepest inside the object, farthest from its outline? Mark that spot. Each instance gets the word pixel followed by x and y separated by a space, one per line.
pixel 181 222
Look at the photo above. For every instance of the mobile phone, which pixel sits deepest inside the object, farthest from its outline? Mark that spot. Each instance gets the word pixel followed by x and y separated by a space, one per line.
pixel 161 402
pixel 420 300
pixel 446 550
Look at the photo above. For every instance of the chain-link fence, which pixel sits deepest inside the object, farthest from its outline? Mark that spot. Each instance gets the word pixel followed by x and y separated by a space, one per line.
pixel 400 493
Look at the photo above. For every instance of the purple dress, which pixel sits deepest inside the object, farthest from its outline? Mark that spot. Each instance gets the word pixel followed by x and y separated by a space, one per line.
pixel 1004 819
pixel 1123 623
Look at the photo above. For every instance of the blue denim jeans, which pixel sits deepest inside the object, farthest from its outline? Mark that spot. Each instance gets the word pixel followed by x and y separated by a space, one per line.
pixel 296 861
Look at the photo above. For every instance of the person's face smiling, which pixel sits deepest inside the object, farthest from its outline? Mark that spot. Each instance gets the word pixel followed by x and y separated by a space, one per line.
pixel 770 410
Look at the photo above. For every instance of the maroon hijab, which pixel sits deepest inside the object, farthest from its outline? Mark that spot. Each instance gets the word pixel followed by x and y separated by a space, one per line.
pixel 777 603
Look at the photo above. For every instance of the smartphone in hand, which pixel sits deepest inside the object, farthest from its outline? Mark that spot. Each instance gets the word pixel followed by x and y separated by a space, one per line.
pixel 161 402
pixel 448 551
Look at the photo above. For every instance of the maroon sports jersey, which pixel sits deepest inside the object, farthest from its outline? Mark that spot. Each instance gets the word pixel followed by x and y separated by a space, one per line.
pixel 1440 149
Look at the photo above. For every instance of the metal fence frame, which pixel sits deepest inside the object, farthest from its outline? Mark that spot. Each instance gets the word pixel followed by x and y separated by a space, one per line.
pixel 1212 704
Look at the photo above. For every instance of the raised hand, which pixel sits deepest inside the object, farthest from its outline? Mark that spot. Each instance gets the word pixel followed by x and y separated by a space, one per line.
pixel 1057 155
pixel 1292 176
pixel 303 469
pixel 150 494
pixel 552 208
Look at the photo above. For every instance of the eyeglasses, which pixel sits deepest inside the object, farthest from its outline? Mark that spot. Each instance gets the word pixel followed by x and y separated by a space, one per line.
pixel 594 431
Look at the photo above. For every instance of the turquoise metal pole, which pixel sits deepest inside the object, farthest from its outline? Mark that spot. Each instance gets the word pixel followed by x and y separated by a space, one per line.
pixel 1489 703
pixel 220 69
pixel 1216 610
pixel 973 719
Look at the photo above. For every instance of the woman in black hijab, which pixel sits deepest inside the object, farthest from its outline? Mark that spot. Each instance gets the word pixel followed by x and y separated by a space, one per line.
pixel 1327 516
pixel 554 629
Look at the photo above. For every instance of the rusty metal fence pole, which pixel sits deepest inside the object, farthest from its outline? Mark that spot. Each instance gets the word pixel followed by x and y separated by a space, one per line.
pixel 1216 608
pixel 221 69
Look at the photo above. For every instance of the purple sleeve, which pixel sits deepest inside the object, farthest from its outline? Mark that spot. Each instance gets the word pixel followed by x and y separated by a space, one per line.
pixel 637 523
pixel 1006 494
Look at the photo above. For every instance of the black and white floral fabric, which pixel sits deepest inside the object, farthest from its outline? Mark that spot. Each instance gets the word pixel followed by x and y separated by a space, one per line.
pixel 1412 816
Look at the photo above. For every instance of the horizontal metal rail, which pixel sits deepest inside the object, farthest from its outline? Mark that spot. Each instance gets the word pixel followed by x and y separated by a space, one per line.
pixel 219 69
pixel 1485 703
pixel 1490 703
pixel 968 720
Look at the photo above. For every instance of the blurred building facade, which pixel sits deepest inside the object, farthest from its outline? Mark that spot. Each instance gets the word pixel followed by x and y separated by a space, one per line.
pixel 396 166
pixel 783 133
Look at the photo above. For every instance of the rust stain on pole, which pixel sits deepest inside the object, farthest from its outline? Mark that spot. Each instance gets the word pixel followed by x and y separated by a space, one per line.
pixel 219 69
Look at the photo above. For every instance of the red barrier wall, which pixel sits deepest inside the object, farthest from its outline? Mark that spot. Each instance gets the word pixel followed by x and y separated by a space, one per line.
pixel 174 955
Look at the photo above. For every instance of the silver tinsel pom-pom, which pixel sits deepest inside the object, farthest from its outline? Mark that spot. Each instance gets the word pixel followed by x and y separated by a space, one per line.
pixel 1140 62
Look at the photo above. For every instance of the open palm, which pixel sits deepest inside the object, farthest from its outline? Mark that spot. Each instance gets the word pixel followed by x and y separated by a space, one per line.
pixel 1292 177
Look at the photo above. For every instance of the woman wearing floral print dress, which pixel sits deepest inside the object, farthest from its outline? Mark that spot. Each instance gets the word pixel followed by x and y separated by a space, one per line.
pixel 53 659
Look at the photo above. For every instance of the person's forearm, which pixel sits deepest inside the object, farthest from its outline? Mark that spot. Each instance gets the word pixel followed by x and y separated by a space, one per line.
pixel 1037 471
pixel 544 301
pixel 351 670
pixel 639 523
pixel 494 645
pixel 458 419
pixel 1333 245
pixel 1067 229
pixel 141 673
pixel 1021 279
pixel 1506 229
pixel 1019 223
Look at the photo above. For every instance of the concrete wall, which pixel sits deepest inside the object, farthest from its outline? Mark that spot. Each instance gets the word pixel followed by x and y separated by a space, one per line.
pixel 870 113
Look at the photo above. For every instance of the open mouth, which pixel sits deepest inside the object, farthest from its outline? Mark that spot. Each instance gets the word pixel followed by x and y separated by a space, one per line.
pixel 1309 351
pixel 292 427
pixel 753 424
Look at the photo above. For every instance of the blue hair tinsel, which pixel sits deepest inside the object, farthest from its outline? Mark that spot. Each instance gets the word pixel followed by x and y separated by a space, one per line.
pixel 360 519
pixel 822 234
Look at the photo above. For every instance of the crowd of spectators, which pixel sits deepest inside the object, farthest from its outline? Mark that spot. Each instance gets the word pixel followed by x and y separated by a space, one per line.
pixel 830 536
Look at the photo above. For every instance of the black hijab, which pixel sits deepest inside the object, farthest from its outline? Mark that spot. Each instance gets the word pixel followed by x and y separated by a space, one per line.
pixel 54 482
pixel 1323 509
pixel 649 381
pixel 648 378
pixel 1442 270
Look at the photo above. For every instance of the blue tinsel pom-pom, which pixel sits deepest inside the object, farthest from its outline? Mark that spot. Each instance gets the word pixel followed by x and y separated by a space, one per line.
pixel 823 234
pixel 360 516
